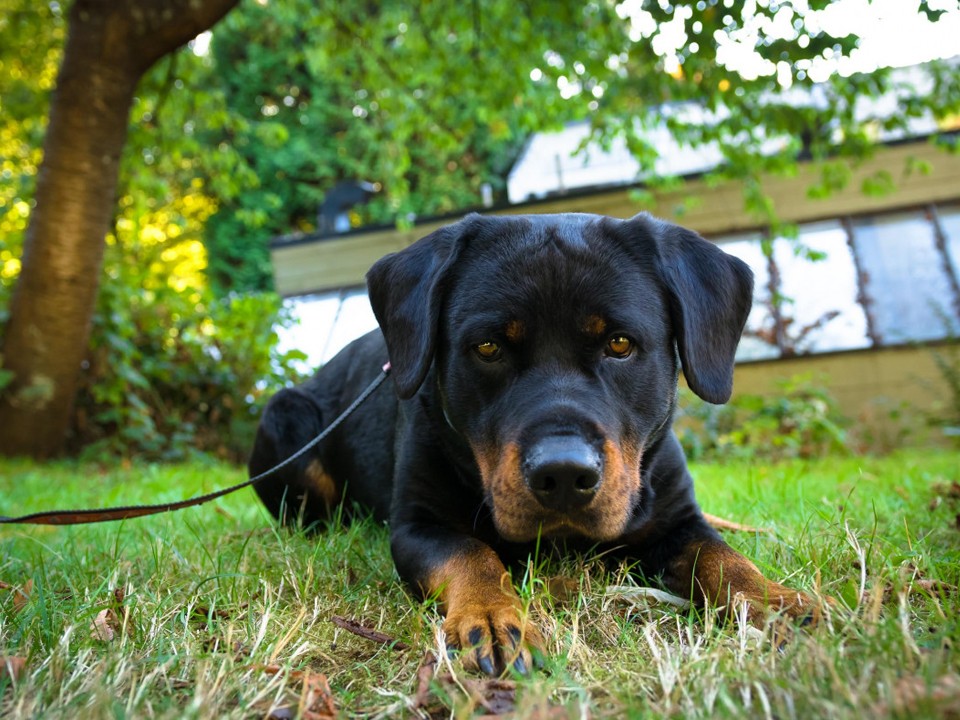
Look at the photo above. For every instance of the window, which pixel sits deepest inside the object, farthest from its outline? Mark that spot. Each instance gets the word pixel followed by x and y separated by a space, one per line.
pixel 326 323
pixel 908 290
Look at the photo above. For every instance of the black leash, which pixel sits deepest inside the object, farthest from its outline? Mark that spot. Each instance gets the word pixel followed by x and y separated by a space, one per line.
pixel 98 515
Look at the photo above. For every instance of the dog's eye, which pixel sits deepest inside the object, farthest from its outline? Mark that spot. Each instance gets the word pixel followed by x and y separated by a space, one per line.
pixel 619 346
pixel 487 351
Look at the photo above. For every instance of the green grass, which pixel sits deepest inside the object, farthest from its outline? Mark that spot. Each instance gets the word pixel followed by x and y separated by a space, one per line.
pixel 214 599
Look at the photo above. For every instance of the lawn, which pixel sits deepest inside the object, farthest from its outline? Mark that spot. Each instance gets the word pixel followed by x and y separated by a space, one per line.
pixel 213 612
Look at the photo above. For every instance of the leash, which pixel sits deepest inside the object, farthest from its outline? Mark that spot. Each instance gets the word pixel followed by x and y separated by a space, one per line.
pixel 98 515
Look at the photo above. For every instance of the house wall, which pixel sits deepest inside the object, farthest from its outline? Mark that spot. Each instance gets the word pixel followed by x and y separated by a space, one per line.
pixel 311 265
pixel 882 390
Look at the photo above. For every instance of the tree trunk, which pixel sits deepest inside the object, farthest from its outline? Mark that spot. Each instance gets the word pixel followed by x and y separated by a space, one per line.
pixel 109 46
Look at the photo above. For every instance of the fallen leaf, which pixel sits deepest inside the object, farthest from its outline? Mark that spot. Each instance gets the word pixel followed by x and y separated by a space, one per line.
pixel 425 673
pixel 719 523
pixel 12 667
pixel 935 587
pixel 496 696
pixel 316 698
pixel 356 628
pixel 563 588
pixel 914 694
pixel 950 490
pixel 284 712
pixel 105 626
pixel 21 596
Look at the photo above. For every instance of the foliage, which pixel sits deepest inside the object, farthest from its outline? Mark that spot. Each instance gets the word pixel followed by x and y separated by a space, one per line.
pixel 394 93
pixel 27 75
pixel 329 92
pixel 173 369
pixel 800 420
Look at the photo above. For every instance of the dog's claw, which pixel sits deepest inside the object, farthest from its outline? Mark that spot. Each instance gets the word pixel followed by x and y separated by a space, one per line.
pixel 493 639
pixel 485 663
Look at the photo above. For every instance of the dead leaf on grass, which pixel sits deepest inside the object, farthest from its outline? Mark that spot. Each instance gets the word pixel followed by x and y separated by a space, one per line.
pixel 497 697
pixel 105 626
pixel 12 667
pixel 949 490
pixel 563 588
pixel 913 694
pixel 111 621
pixel 912 582
pixel 719 523
pixel 316 699
pixel 425 673
pixel 645 595
pixel 21 595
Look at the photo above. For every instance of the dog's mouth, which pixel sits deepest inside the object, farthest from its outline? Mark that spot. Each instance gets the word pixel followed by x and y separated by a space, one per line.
pixel 561 489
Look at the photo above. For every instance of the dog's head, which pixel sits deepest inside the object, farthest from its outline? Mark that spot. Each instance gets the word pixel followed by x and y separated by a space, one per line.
pixel 555 340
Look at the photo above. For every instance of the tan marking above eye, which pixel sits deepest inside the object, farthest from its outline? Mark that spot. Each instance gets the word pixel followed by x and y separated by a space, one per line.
pixel 595 326
pixel 515 331
pixel 487 350
pixel 619 346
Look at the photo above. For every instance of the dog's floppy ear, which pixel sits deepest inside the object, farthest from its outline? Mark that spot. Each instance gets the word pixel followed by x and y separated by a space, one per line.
pixel 406 290
pixel 710 294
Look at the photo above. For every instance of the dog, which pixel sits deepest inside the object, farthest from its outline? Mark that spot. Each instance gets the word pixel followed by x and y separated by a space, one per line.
pixel 536 362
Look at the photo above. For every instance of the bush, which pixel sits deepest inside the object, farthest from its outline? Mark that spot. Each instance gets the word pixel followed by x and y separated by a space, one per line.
pixel 174 370
pixel 799 421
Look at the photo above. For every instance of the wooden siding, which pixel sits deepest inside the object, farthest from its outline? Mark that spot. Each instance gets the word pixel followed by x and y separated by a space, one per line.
pixel 318 265
pixel 882 391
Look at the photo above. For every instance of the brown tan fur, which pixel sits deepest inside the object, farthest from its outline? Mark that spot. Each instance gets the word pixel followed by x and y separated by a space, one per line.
pixel 482 609
pixel 519 516
pixel 723 578
pixel 321 485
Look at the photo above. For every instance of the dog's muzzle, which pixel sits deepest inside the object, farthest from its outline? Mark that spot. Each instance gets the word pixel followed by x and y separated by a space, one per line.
pixel 564 472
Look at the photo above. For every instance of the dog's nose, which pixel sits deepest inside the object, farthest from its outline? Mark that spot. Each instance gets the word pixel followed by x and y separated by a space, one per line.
pixel 563 472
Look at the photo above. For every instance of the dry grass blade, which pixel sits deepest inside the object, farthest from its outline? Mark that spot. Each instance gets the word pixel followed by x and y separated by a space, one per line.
pixel 647 595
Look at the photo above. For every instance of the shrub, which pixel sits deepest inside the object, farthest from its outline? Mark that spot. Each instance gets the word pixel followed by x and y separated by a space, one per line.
pixel 799 421
pixel 175 370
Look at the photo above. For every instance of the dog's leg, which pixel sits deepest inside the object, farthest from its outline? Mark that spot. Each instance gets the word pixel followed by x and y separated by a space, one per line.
pixel 303 492
pixel 484 615
pixel 712 573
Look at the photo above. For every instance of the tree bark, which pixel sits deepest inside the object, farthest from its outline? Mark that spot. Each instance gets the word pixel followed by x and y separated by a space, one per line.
pixel 109 46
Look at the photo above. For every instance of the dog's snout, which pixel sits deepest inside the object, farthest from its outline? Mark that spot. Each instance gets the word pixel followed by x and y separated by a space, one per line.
pixel 563 472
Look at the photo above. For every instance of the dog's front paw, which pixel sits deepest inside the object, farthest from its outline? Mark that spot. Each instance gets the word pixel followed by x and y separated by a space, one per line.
pixel 493 636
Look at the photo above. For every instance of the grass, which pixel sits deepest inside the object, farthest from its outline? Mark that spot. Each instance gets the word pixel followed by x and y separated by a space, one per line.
pixel 213 612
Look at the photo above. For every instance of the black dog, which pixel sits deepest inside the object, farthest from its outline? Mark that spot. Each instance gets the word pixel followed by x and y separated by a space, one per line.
pixel 536 361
